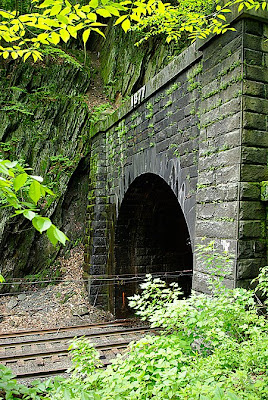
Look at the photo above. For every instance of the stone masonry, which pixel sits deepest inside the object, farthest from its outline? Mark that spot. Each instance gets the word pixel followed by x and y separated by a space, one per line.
pixel 199 130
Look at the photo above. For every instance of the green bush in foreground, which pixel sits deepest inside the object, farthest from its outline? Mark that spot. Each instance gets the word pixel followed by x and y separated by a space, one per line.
pixel 210 348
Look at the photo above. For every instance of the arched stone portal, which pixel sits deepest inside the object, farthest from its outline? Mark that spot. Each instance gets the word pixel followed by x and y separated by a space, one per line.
pixel 194 137
pixel 151 236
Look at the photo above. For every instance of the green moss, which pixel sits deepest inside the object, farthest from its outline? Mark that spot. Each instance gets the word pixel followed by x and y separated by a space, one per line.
pixel 150 108
pixel 168 103
pixel 264 190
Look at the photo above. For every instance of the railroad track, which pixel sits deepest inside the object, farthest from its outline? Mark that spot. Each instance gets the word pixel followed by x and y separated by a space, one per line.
pixel 42 354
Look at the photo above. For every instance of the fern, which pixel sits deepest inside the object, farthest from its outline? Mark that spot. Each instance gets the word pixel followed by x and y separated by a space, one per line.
pixel 57 53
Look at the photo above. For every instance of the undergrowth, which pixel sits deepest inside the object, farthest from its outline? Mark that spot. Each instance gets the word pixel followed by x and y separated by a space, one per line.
pixel 210 348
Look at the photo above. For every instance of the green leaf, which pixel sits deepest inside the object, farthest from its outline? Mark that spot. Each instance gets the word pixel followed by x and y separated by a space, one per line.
pixel 41 224
pixel 73 31
pixel 3 169
pixel 219 394
pixel 65 35
pixel 99 32
pixel 126 25
pixel 48 191
pixel 27 55
pixel 85 35
pixel 19 181
pixel 60 236
pixel 93 3
pixel 55 10
pixel 37 178
pixel 232 396
pixel 55 235
pixel 54 38
pixel 92 17
pixel 120 19
pixel 113 10
pixel 161 7
pixel 29 214
pixel 4 182
pixel 51 236
pixel 103 13
pixel 62 18
pixel 35 191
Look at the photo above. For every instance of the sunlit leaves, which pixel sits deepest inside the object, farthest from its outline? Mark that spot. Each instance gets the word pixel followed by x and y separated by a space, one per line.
pixel 55 10
pixel 120 19
pixel 53 21
pixel 35 191
pixel 23 191
pixel 29 214
pixel 55 235
pixel 73 31
pixel 41 224
pixel 64 34
pixel 19 181
pixel 97 30
pixel 199 18
pixel 5 54
pixel 93 3
pixel 62 19
pixel 112 10
pixel 54 38
pixel 85 35
pixel 126 25
pixel 103 13
pixel 7 15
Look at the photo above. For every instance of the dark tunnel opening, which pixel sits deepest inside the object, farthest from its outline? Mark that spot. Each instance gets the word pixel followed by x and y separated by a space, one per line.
pixel 151 237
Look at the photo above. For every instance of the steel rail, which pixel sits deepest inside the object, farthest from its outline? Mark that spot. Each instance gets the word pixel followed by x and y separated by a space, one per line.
pixel 30 363
pixel 26 356
pixel 29 332
pixel 71 336
pixel 6 357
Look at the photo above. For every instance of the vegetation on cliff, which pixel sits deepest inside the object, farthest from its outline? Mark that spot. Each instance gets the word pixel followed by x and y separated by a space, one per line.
pixel 44 125
pixel 51 21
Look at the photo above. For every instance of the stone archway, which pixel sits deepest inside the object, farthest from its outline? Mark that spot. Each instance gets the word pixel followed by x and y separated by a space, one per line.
pixel 151 236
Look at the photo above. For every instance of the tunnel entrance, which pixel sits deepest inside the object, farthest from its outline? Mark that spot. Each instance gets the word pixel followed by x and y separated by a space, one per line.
pixel 151 237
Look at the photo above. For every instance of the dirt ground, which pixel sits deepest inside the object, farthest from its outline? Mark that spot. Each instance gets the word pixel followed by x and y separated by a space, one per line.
pixel 61 304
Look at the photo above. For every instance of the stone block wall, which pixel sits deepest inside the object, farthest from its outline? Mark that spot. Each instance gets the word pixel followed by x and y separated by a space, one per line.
pixel 159 136
pixel 252 233
pixel 233 152
pixel 219 165
pixel 201 126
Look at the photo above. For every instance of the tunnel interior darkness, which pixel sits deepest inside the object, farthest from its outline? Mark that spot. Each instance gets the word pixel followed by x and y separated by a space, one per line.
pixel 151 236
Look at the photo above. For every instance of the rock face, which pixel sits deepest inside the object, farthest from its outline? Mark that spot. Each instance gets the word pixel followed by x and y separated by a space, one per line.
pixel 126 67
pixel 44 122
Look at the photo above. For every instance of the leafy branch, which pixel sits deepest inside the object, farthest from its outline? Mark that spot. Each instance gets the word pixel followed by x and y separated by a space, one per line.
pixel 193 18
pixel 21 191
pixel 54 21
